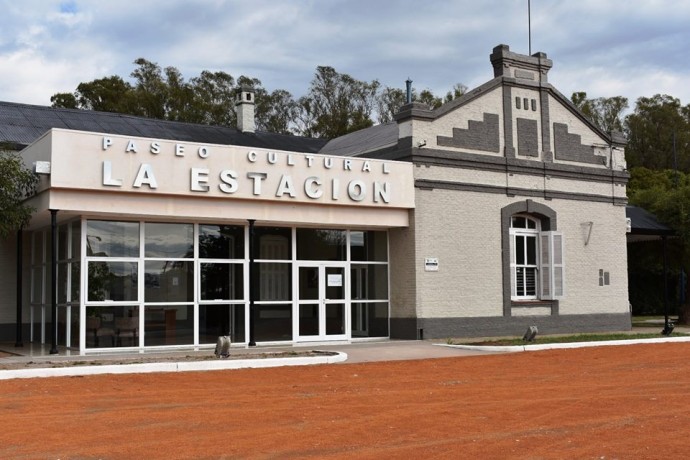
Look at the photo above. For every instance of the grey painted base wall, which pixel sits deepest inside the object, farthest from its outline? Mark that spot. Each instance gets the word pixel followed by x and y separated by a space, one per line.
pixel 441 328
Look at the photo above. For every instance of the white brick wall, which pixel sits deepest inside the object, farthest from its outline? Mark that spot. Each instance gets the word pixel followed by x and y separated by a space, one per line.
pixel 460 230
pixel 463 230
pixel 491 102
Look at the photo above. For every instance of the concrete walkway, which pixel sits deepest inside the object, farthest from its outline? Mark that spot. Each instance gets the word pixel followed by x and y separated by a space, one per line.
pixel 34 355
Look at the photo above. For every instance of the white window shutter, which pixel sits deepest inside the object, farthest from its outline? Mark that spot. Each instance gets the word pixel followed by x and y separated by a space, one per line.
pixel 552 267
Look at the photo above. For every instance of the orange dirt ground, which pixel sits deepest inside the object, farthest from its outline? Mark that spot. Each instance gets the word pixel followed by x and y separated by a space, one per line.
pixel 604 403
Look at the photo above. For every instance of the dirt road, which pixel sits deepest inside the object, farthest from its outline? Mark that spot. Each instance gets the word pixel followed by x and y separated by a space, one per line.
pixel 608 402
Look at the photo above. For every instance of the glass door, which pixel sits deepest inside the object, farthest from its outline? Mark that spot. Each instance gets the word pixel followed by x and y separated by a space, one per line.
pixel 321 303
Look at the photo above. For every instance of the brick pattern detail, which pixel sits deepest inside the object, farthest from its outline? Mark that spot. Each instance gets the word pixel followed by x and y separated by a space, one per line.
pixel 480 135
pixel 528 137
pixel 568 147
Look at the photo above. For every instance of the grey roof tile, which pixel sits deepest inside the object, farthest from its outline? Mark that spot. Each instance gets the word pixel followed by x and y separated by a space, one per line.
pixel 22 124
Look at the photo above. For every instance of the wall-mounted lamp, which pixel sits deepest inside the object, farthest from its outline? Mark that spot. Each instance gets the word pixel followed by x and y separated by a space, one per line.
pixel 587 231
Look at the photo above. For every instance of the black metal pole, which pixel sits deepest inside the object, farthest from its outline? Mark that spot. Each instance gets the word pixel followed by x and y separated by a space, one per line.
pixel 667 329
pixel 53 278
pixel 252 281
pixel 19 343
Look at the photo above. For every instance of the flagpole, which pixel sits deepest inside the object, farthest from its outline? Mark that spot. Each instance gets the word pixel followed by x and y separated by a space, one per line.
pixel 529 25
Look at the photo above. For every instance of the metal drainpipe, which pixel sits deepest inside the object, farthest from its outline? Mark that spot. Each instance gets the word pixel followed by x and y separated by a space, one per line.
pixel 53 278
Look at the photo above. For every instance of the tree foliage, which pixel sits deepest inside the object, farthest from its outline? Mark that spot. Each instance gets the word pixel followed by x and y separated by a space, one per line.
pixel 16 184
pixel 335 103
pixel 651 130
pixel 605 112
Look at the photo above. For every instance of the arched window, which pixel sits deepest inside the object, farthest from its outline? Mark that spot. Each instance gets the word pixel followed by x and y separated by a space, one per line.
pixel 524 260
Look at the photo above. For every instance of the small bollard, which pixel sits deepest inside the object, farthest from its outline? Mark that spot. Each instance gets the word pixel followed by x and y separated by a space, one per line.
pixel 223 346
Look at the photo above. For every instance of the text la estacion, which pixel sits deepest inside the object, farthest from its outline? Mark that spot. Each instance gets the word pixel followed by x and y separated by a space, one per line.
pixel 229 181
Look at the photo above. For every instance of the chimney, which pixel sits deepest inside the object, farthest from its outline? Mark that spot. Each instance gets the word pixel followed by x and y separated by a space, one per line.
pixel 244 106
pixel 520 66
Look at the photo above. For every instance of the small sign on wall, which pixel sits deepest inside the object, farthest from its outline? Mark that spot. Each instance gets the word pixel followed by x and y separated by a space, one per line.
pixel 431 264
pixel 335 280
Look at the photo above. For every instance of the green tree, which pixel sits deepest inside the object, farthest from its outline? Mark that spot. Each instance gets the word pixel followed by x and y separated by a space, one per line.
pixel 336 104
pixel 666 194
pixel 16 184
pixel 276 112
pixel 651 130
pixel 390 100
pixel 109 94
pixel 605 112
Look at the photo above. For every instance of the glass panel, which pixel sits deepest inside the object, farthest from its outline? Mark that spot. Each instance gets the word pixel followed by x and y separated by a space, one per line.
pixel 76 240
pixel 74 319
pixel 369 246
pixel 38 248
pixel 320 244
pixel 112 326
pixel 335 283
pixel 112 281
pixel 520 281
pixel 62 326
pixel 359 319
pixel 531 223
pixel 37 285
pixel 75 282
pixel 62 282
pixel 221 242
pixel 63 238
pixel 369 319
pixel 221 281
pixel 112 239
pixel 169 325
pixel 272 322
pixel 531 281
pixel 369 281
pixel 168 281
pixel 168 240
pixel 309 319
pixel 218 320
pixel 335 319
pixel 274 243
pixel 275 281
pixel 531 250
pixel 308 283
pixel 518 222
pixel 519 249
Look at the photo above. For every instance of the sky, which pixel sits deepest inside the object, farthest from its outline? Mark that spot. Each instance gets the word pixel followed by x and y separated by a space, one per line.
pixel 603 47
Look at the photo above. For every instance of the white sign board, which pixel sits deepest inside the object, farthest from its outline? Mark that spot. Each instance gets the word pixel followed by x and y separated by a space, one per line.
pixel 431 264
pixel 335 280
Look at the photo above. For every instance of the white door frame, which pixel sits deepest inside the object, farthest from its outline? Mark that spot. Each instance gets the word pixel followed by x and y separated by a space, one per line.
pixel 322 301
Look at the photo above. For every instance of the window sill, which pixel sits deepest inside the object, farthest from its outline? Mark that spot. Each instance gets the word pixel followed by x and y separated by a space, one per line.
pixel 552 304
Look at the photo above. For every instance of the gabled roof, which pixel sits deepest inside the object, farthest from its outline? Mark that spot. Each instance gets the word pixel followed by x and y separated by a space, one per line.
pixel 365 140
pixel 22 124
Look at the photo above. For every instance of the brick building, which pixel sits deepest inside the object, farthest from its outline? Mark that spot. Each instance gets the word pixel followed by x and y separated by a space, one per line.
pixel 502 209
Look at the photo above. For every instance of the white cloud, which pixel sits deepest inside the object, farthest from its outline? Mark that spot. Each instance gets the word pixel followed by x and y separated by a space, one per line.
pixel 598 46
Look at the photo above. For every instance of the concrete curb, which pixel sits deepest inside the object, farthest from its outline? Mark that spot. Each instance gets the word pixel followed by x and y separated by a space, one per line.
pixel 182 366
pixel 557 346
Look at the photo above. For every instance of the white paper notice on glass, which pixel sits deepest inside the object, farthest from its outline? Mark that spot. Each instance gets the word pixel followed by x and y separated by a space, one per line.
pixel 335 280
